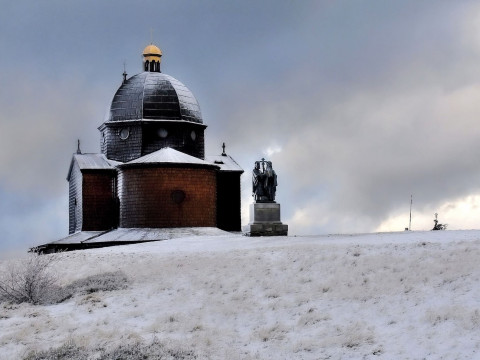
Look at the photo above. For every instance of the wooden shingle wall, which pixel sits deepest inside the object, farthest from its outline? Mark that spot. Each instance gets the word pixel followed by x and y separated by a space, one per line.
pixel 149 197
pixel 229 201
pixel 99 201
pixel 119 149
pixel 75 200
pixel 178 138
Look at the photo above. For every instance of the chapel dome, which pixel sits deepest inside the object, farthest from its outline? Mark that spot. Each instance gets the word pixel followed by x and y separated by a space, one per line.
pixel 154 96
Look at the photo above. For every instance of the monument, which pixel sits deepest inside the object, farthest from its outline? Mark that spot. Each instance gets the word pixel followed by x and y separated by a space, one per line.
pixel 438 226
pixel 265 212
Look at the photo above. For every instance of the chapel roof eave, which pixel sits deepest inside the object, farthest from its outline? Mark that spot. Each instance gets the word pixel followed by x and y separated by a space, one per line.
pixel 92 162
pixel 168 157
pixel 167 165
pixel 120 123
pixel 225 162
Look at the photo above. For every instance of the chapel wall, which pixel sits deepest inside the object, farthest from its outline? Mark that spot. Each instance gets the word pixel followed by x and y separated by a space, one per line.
pixel 114 147
pixel 176 135
pixel 75 200
pixel 100 210
pixel 152 197
pixel 229 201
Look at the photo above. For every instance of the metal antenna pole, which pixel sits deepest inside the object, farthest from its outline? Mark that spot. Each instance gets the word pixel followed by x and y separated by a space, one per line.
pixel 410 223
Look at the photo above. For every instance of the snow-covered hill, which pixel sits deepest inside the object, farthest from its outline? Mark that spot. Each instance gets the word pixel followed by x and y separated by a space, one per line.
pixel 409 295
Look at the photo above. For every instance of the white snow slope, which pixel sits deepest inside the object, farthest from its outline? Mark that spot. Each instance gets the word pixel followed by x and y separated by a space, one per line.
pixel 409 295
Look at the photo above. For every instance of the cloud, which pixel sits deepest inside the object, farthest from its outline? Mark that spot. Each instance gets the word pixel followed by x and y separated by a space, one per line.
pixel 459 214
pixel 30 219
pixel 41 120
pixel 272 150
pixel 360 155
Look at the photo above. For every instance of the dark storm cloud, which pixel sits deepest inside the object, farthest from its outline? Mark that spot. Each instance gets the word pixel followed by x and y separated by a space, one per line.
pixel 359 104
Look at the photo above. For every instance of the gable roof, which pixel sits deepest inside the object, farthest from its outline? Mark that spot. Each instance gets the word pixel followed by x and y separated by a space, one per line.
pixel 92 162
pixel 163 156
pixel 225 162
pixel 169 156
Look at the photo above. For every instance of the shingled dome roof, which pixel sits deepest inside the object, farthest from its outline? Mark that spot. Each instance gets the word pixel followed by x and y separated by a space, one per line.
pixel 154 96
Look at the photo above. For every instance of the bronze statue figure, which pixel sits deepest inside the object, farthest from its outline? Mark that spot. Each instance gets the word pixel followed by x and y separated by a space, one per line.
pixel 264 182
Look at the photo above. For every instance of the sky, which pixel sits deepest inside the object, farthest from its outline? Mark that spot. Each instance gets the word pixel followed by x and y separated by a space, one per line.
pixel 359 104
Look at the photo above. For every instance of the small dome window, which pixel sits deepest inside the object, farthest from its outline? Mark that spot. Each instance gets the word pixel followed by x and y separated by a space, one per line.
pixel 193 135
pixel 178 196
pixel 124 133
pixel 163 133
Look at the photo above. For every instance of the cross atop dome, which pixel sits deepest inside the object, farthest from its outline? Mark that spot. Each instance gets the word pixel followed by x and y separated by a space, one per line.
pixel 152 56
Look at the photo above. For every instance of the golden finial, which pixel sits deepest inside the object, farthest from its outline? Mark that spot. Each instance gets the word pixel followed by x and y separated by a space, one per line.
pixel 152 57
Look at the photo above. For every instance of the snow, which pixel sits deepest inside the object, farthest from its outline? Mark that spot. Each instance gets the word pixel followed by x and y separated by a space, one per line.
pixel 91 161
pixel 169 155
pixel 136 234
pixel 78 237
pixel 225 162
pixel 407 295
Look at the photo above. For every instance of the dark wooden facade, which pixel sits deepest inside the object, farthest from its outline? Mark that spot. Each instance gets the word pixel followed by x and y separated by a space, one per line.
pixel 100 205
pixel 118 149
pixel 93 202
pixel 165 196
pixel 229 201
pixel 75 199
pixel 147 137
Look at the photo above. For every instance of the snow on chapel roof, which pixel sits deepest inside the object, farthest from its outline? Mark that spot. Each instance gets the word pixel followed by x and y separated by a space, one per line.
pixel 169 156
pixel 225 162
pixel 92 162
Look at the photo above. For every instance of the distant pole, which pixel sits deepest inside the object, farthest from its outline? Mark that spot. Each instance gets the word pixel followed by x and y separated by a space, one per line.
pixel 410 223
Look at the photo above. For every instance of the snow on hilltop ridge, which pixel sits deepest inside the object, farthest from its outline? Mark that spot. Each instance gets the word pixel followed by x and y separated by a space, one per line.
pixel 406 295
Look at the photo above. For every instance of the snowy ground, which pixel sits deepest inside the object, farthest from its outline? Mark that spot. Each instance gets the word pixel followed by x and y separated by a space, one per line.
pixel 409 295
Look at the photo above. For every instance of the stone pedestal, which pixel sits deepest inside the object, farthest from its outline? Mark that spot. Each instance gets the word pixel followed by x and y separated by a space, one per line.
pixel 265 221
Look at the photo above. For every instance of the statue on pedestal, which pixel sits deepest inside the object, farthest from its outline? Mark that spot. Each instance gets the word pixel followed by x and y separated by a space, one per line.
pixel 264 182
pixel 265 212
pixel 438 226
